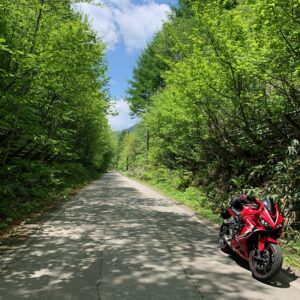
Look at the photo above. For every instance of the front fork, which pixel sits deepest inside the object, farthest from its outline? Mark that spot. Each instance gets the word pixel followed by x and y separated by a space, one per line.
pixel 263 240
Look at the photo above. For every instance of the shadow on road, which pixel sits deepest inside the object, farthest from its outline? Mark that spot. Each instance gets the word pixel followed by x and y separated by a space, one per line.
pixel 113 242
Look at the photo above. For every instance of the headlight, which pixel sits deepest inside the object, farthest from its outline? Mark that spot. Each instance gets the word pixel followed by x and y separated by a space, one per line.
pixel 265 223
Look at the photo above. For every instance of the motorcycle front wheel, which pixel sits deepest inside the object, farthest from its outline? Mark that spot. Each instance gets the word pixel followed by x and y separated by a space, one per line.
pixel 266 264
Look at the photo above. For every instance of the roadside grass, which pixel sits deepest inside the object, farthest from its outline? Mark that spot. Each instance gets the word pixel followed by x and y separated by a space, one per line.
pixel 12 226
pixel 189 197
pixel 40 197
pixel 196 200
pixel 291 251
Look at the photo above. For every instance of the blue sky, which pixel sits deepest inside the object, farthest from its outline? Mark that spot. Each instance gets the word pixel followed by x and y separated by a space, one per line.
pixel 126 26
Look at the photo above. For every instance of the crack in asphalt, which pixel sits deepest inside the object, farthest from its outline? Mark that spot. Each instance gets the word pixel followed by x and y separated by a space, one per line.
pixel 100 274
pixel 101 255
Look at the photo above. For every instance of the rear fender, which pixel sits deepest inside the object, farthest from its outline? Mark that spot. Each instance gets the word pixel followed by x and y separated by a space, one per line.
pixel 263 241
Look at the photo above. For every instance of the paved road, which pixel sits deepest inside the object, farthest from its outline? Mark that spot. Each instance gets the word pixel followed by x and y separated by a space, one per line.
pixel 120 240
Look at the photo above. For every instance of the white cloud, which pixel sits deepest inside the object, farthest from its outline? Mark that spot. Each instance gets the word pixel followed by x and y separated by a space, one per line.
pixel 138 23
pixel 122 120
pixel 135 24
pixel 102 20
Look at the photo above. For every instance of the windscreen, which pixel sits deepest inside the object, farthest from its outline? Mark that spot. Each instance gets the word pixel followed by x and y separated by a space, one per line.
pixel 269 204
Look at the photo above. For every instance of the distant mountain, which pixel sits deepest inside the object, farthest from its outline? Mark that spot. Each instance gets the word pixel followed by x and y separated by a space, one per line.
pixel 130 129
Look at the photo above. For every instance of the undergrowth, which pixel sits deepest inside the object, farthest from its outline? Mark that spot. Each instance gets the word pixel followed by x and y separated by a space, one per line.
pixel 30 187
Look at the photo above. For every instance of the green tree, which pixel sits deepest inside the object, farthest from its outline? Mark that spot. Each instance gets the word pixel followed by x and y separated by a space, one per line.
pixel 228 107
pixel 53 102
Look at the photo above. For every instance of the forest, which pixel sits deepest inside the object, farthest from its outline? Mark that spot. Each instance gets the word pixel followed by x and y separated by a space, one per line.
pixel 218 93
pixel 54 134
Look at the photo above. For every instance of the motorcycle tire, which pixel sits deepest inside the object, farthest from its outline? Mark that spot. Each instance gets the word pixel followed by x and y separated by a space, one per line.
pixel 276 263
pixel 222 242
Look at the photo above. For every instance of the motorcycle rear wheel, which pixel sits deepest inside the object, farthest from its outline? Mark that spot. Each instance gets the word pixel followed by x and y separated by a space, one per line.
pixel 268 265
pixel 222 240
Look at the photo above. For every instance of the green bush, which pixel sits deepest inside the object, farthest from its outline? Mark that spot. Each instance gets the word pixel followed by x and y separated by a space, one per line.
pixel 29 185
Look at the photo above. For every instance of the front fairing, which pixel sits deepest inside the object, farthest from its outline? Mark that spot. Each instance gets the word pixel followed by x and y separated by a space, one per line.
pixel 274 221
pixel 254 233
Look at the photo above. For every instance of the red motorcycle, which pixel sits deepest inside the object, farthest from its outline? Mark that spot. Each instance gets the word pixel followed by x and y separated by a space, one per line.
pixel 252 233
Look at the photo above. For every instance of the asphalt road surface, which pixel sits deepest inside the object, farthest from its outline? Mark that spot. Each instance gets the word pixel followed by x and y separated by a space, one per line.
pixel 118 239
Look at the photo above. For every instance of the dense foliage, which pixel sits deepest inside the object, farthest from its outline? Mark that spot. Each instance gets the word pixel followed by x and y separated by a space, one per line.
pixel 53 103
pixel 226 115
